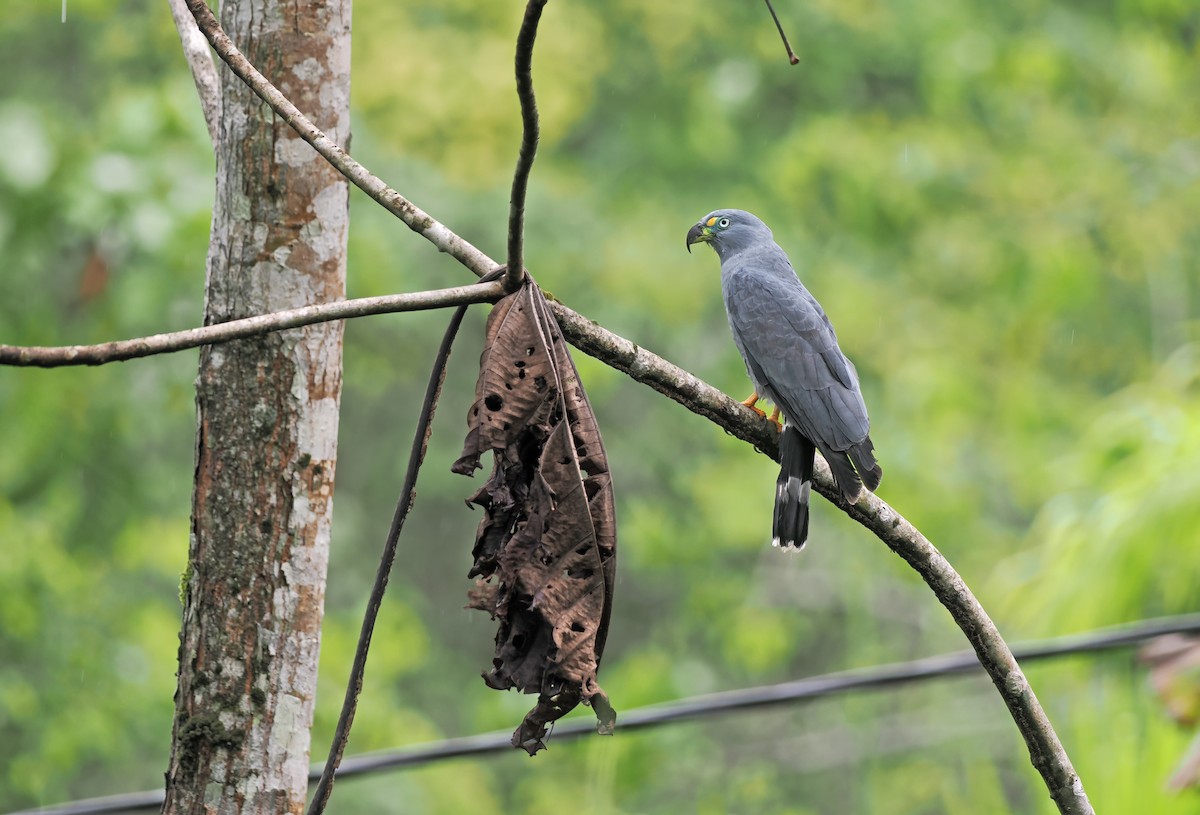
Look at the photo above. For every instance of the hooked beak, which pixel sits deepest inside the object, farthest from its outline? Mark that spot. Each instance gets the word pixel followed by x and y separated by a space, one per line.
pixel 698 234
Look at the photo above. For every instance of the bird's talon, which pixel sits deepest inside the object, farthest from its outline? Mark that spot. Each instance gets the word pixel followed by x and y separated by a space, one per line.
pixel 775 420
pixel 752 400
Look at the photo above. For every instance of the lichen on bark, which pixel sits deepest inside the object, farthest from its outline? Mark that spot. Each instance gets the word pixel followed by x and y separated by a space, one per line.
pixel 266 445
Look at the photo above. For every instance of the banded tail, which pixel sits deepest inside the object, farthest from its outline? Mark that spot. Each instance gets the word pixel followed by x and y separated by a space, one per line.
pixel 789 526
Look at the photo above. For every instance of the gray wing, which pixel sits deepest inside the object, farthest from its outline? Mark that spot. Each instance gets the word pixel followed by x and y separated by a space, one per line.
pixel 791 348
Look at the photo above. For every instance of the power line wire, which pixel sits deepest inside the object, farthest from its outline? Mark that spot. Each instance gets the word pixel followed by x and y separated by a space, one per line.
pixel 800 690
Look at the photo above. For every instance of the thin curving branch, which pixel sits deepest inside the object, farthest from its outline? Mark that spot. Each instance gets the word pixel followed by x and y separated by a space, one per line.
pixel 413 216
pixel 404 504
pixel 121 350
pixel 1046 751
pixel 792 58
pixel 515 273
pixel 204 70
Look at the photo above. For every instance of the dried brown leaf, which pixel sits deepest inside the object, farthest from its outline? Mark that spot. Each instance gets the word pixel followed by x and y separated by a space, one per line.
pixel 1187 774
pixel 1174 662
pixel 547 541
pixel 516 378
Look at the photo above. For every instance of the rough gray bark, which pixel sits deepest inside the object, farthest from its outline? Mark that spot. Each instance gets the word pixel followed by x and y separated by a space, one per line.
pixel 267 438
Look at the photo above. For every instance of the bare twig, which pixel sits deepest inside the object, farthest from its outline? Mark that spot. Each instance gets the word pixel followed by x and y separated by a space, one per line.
pixel 792 58
pixel 204 70
pixel 515 273
pixel 118 351
pixel 395 203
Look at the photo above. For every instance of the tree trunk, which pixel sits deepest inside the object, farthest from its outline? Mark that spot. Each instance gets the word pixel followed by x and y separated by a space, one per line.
pixel 266 444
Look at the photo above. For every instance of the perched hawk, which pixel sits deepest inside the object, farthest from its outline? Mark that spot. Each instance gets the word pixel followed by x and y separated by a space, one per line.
pixel 792 356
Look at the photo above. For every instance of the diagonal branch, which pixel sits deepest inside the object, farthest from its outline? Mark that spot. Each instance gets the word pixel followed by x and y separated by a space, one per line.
pixel 121 350
pixel 1045 750
pixel 204 70
pixel 417 219
pixel 515 273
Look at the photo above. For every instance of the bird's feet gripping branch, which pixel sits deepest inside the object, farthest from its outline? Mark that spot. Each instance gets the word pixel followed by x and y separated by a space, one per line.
pixel 792 357
pixel 752 401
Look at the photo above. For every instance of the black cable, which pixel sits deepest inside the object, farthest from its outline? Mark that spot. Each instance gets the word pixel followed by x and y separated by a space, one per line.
pixel 695 707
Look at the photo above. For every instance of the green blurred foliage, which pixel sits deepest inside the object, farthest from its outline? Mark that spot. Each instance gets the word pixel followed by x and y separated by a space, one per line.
pixel 996 205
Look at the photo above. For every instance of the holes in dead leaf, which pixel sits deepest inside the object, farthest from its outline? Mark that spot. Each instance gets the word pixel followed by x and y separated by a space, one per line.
pixel 540 603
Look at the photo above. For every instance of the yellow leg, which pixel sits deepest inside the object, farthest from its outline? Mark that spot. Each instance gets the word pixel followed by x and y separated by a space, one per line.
pixel 752 400
pixel 774 419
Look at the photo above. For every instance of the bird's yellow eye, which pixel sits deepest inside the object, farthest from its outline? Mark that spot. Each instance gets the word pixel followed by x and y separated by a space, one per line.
pixel 723 223
pixel 710 222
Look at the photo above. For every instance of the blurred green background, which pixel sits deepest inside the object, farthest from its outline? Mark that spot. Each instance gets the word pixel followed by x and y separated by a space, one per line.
pixel 997 205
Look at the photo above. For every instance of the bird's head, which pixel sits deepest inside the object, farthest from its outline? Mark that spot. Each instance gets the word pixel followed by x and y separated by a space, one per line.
pixel 728 231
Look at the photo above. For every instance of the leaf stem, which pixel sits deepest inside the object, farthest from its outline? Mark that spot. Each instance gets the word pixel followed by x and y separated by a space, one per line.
pixel 530 133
